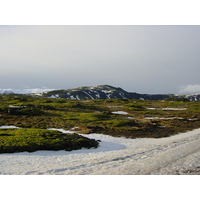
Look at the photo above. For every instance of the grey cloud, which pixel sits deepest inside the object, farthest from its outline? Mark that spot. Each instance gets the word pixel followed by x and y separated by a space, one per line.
pixel 190 89
pixel 146 59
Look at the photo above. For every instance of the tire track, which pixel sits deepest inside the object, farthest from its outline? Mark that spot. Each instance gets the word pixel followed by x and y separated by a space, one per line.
pixel 157 158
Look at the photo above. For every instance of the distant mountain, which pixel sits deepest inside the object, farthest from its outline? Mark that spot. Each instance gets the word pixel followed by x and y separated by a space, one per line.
pixel 100 92
pixel 23 91
pixel 95 92
pixel 6 91
pixel 193 97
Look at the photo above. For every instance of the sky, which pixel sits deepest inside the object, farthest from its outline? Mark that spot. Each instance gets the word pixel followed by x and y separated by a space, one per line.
pixel 143 59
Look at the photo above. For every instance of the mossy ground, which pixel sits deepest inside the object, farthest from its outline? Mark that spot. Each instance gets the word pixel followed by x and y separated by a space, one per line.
pixel 19 140
pixel 96 115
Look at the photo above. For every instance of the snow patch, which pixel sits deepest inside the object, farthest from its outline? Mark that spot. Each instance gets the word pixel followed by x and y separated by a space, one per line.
pixel 62 130
pixel 10 126
pixel 166 108
pixel 151 108
pixel 162 118
pixel 174 108
pixel 193 119
pixel 56 96
pixel 121 94
pixel 120 112
pixel 72 97
pixel 88 94
pixel 11 106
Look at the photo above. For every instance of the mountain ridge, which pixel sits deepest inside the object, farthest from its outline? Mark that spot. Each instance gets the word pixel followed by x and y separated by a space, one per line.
pixel 100 92
pixel 95 92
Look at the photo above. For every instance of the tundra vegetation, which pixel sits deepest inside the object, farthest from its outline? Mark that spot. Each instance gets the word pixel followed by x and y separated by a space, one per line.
pixel 140 118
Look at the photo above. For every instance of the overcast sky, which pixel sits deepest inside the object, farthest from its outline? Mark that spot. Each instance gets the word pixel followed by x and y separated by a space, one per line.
pixel 143 59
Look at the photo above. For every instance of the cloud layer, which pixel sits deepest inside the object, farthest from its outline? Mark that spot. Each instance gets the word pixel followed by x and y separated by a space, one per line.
pixel 145 59
pixel 190 89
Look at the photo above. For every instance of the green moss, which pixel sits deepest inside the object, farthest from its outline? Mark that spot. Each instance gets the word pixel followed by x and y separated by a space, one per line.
pixel 119 123
pixel 64 113
pixel 133 107
pixel 18 140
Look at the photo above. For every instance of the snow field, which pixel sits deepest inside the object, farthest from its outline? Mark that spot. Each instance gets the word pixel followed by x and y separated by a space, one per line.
pixel 179 154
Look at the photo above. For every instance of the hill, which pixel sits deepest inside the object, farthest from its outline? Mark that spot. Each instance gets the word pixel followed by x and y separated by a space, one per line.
pixel 100 92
